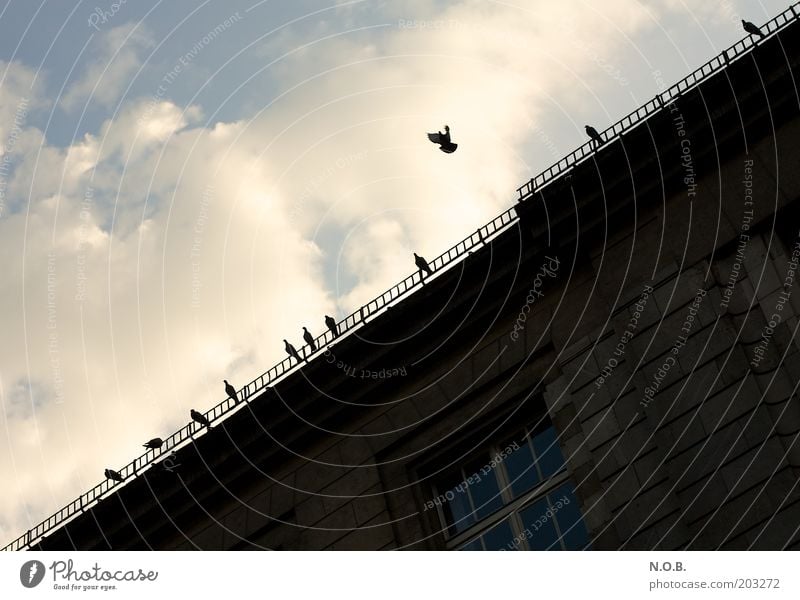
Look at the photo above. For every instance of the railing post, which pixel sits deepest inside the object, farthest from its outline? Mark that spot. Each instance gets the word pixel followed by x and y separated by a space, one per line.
pixel 361 314
pixel 726 57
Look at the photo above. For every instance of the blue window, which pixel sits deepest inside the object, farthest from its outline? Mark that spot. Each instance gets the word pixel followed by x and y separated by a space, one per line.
pixel 554 521
pixel 513 496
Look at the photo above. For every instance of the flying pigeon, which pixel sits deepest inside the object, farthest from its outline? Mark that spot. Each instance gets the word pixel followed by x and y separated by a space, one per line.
pixel 291 351
pixel 309 339
pixel 113 475
pixel 231 391
pixel 443 139
pixel 199 418
pixel 422 265
pixel 752 29
pixel 592 132
pixel 331 323
pixel 154 443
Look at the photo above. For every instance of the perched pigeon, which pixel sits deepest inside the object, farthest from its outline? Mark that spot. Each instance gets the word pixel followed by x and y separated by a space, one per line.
pixel 309 339
pixel 231 391
pixel 113 475
pixel 154 443
pixel 752 29
pixel 331 323
pixel 443 139
pixel 592 132
pixel 422 265
pixel 199 418
pixel 291 351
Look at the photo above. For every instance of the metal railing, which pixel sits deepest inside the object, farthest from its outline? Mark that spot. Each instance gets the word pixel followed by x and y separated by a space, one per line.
pixel 499 224
pixel 641 114
pixel 182 437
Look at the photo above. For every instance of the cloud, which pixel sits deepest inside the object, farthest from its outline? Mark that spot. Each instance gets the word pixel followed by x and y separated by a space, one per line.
pixel 107 78
pixel 137 279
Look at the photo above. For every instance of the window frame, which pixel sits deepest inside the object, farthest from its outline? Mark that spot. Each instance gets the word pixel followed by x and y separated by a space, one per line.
pixel 510 510
pixel 512 507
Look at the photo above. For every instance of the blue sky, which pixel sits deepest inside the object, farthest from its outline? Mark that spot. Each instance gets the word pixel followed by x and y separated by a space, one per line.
pixel 187 183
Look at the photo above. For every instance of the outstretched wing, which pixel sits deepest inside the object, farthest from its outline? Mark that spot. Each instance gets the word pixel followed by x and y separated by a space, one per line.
pixel 449 148
pixel 434 137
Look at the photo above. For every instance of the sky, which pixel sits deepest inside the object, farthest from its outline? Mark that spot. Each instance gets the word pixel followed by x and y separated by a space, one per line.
pixel 183 184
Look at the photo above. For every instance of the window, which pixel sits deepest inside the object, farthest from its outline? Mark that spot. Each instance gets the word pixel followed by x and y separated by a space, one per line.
pixel 512 496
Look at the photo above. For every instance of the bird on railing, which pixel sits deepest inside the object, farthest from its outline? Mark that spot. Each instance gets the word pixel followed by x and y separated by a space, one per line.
pixel 443 139
pixel 154 443
pixel 231 391
pixel 309 339
pixel 291 351
pixel 331 323
pixel 752 29
pixel 595 135
pixel 423 266
pixel 199 418
pixel 113 475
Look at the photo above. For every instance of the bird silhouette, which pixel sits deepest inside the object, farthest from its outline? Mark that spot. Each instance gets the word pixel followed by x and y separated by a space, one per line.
pixel 231 391
pixel 443 139
pixel 113 475
pixel 596 137
pixel 422 265
pixel 199 418
pixel 154 443
pixel 331 323
pixel 309 339
pixel 291 351
pixel 752 29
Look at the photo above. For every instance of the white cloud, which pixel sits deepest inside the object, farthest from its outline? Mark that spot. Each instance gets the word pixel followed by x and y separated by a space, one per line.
pixel 106 79
pixel 132 316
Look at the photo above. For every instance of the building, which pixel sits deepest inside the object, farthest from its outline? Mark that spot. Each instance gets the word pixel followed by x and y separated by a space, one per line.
pixel 613 363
